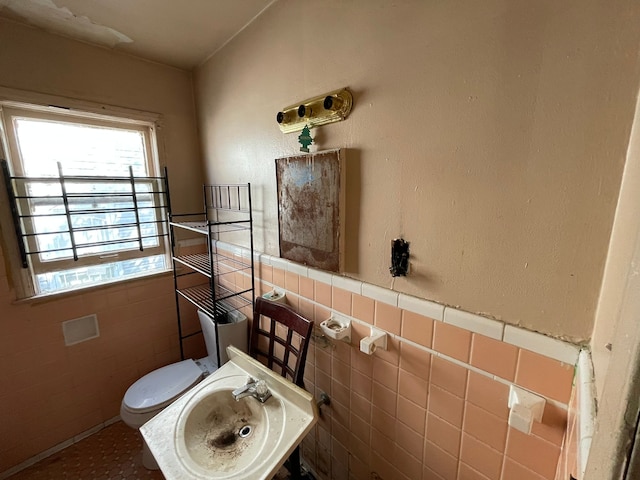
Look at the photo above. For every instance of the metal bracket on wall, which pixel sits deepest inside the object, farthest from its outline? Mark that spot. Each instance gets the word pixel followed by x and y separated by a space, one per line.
pixel 328 108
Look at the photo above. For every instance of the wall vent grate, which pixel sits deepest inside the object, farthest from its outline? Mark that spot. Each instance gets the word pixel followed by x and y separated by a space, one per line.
pixel 80 329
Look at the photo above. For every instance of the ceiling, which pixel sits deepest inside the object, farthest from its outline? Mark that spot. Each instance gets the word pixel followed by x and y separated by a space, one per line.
pixel 181 33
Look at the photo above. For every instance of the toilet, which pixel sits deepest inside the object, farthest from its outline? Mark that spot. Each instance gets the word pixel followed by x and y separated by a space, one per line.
pixel 149 395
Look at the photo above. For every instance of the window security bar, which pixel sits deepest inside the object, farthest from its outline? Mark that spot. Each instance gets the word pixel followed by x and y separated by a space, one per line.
pixel 134 209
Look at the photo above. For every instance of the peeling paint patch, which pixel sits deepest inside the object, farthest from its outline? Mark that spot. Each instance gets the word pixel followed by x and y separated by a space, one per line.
pixel 47 15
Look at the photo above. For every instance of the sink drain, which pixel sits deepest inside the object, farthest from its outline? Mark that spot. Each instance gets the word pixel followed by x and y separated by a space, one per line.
pixel 245 431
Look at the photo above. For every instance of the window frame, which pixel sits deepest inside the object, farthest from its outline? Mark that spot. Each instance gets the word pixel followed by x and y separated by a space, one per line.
pixel 31 105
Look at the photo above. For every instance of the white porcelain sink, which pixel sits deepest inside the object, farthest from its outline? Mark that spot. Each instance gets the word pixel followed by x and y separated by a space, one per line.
pixel 216 437
pixel 216 433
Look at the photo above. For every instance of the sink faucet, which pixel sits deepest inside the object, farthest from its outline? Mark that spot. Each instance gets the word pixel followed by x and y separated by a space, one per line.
pixel 255 388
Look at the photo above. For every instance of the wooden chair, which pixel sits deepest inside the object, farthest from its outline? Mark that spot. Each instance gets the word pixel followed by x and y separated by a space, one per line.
pixel 280 339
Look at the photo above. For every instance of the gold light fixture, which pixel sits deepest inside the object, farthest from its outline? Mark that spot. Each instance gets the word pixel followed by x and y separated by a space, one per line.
pixel 328 108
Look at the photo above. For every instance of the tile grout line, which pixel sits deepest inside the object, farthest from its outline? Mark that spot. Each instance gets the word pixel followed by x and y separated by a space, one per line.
pixel 539 343
pixel 559 404
pixel 502 454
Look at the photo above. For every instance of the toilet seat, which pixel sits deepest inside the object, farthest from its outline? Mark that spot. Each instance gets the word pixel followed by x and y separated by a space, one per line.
pixel 159 388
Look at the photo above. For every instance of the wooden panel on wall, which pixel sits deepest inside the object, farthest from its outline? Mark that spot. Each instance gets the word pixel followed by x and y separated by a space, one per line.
pixel 311 202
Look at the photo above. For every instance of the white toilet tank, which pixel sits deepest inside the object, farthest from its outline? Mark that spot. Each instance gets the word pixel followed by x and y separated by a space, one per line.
pixel 235 333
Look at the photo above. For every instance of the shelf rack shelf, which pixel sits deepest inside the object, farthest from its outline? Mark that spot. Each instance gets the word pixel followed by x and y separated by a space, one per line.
pixel 227 217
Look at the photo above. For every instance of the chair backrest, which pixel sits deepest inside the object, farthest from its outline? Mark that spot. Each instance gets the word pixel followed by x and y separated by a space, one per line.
pixel 280 339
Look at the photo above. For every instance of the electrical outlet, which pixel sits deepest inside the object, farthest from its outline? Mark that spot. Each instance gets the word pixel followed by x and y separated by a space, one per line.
pixel 399 258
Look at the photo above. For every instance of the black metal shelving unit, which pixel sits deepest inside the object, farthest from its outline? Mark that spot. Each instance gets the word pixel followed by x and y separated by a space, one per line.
pixel 227 217
pixel 209 280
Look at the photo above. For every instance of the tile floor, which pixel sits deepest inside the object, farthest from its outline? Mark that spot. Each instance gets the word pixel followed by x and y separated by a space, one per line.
pixel 113 453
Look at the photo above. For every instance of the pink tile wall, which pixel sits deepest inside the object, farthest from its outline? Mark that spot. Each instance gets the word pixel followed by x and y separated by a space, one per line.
pixel 50 392
pixel 408 413
pixel 404 413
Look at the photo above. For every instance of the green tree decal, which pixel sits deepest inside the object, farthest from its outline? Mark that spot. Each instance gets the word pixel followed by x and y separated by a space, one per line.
pixel 305 139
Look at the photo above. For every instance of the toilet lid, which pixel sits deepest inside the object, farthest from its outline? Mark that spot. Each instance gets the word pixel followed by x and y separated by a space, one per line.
pixel 159 388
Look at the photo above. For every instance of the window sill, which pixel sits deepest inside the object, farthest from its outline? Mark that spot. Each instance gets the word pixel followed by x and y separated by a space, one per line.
pixel 50 297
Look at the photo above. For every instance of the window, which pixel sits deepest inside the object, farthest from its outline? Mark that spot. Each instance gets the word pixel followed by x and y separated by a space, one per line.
pixel 90 197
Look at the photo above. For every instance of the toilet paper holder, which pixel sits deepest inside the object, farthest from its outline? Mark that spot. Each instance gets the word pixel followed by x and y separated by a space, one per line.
pixel 525 408
pixel 377 339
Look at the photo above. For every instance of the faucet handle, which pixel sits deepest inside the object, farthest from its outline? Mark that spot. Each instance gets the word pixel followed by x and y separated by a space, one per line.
pixel 262 392
pixel 261 388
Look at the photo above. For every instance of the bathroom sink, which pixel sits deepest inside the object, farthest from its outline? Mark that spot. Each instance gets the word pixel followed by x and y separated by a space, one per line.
pixel 208 434
pixel 217 434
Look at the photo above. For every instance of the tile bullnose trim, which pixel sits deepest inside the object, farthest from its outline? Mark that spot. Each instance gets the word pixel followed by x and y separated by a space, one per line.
pixel 280 263
pixel 236 249
pixel 536 342
pixel 231 248
pixel 320 276
pixel 346 283
pixel 421 306
pixel 586 408
pixel 265 259
pixel 297 268
pixel 474 323
pixel 541 344
pixel 587 394
pixel 380 294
